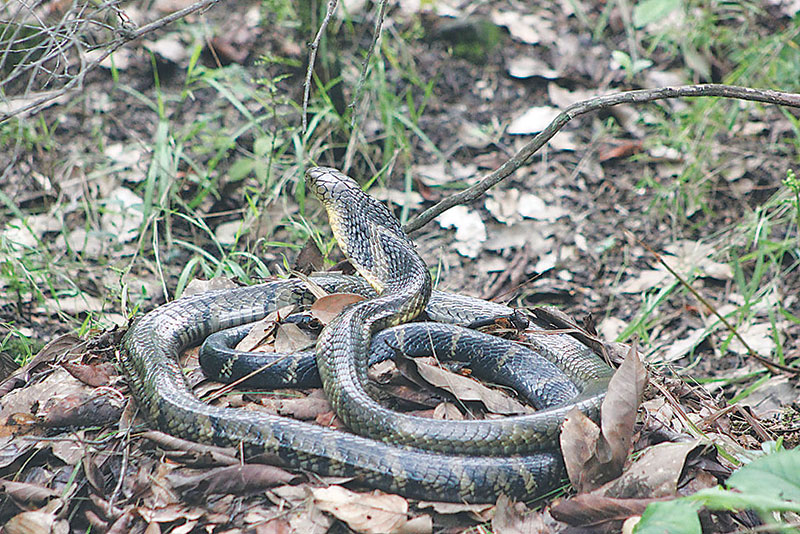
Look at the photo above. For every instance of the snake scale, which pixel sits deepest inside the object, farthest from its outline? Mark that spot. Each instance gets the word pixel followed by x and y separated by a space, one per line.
pixel 464 461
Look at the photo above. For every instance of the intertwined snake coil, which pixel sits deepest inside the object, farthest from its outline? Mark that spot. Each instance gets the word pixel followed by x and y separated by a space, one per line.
pixel 469 461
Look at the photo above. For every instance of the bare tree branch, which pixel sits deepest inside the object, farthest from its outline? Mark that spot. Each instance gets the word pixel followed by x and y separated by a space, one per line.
pixel 594 104
pixel 126 34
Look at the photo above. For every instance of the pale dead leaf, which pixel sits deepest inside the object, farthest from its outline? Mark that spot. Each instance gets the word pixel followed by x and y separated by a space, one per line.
pixel 36 522
pixel 196 286
pixel 532 207
pixel 370 513
pixel 683 346
pixel 470 230
pixel 563 98
pixel 169 47
pixel 229 232
pixel 758 336
pixel 771 396
pixel 467 389
pixel 28 234
pixel 448 411
pixel 503 204
pixel 409 199
pixel 123 215
pixel 526 27
pixel 326 308
pixel 529 66
pixel 532 121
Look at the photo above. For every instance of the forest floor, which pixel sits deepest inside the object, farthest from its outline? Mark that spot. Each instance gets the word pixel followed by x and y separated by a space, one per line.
pixel 181 158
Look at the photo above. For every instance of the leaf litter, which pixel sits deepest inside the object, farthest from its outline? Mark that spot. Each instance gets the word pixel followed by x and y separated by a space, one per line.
pixel 149 470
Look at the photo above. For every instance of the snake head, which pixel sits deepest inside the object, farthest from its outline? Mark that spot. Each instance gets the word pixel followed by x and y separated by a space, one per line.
pixel 331 186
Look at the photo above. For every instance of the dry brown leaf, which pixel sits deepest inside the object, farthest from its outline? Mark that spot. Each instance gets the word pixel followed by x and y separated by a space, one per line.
pixel 467 389
pixel 82 409
pixel 26 493
pixel 593 458
pixel 290 338
pixel 370 513
pixel 328 307
pixel 655 473
pixel 579 436
pixel 618 412
pixel 42 521
pixel 236 479
pixel 515 518
pixel 92 375
pixel 591 510
pixel 196 286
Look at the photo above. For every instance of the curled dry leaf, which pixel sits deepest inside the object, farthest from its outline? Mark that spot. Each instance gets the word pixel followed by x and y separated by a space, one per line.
pixel 236 479
pixel 467 389
pixel 371 513
pixel 591 510
pixel 329 306
pixel 595 456
pixel 27 493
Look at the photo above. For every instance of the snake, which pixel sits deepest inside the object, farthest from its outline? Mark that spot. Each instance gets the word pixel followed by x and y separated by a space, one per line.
pixel 456 461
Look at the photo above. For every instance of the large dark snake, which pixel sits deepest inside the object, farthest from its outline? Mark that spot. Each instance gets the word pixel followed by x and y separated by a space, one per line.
pixel 472 461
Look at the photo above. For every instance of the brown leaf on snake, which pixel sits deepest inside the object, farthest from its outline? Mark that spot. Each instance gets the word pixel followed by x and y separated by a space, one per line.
pixel 261 337
pixel 329 306
pixel 467 389
pixel 594 456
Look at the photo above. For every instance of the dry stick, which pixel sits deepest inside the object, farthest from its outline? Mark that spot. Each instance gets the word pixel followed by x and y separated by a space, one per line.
pixel 126 36
pixel 312 57
pixel 362 79
pixel 750 352
pixel 593 104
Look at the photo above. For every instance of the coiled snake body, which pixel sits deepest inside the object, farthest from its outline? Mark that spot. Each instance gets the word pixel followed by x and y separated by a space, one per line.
pixel 472 461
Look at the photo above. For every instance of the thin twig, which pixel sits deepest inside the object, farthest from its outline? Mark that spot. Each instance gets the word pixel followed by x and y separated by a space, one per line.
pixel 312 58
pixel 594 104
pixel 362 79
pixel 125 36
pixel 770 365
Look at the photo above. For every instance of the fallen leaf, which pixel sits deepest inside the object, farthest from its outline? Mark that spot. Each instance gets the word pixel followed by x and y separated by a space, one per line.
pixel 370 513
pixel 467 389
pixel 655 473
pixel 529 66
pixel 591 510
pixel 123 215
pixel 532 121
pixel 515 518
pixel 470 230
pixel 290 338
pixel 326 308
pixel 236 479
pixel 593 457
